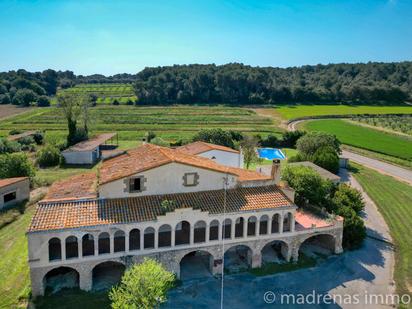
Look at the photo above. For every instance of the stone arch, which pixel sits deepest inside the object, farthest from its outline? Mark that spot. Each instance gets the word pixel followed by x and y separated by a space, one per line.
pixel 134 239
pixel 251 226
pixel 182 233
pixel 165 236
pixel 196 264
pixel 263 225
pixel 275 224
pixel 199 232
pixel 104 243
pixel 61 278
pixel 276 251
pixel 55 249
pixel 72 247
pixel 239 227
pixel 107 274
pixel 88 244
pixel 214 230
pixel 238 258
pixel 287 222
pixel 149 238
pixel 119 241
pixel 227 228
pixel 321 243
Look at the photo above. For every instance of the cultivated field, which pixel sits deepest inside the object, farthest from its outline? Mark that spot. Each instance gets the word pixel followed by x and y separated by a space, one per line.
pixel 298 111
pixel 366 138
pixel 9 110
pixel 131 122
pixel 393 199
pixel 402 124
pixel 106 93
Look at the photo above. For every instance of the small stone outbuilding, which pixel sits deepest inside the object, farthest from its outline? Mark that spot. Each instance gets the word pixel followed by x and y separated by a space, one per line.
pixel 14 190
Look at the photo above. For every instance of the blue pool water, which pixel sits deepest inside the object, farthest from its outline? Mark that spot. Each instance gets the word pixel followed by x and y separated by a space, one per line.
pixel 271 153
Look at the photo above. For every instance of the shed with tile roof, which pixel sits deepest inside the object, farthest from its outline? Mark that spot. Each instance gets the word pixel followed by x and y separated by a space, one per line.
pixel 14 190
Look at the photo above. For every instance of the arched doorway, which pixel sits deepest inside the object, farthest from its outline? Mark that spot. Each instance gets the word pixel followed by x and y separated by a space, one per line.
pixel 55 249
pixel 196 264
pixel 251 226
pixel 237 258
pixel 88 245
pixel 60 278
pixel 104 243
pixel 119 241
pixel 287 222
pixel 107 274
pixel 199 232
pixel 318 246
pixel 182 233
pixel 226 228
pixel 239 224
pixel 165 236
pixel 149 235
pixel 134 239
pixel 214 230
pixel 72 250
pixel 275 252
pixel 275 223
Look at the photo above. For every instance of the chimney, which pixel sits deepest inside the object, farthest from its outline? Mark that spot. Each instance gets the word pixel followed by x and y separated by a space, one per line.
pixel 275 172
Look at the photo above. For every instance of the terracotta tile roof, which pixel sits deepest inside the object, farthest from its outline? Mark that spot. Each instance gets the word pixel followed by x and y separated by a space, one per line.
pixel 149 156
pixel 9 181
pixel 91 143
pixel 75 214
pixel 81 186
pixel 199 147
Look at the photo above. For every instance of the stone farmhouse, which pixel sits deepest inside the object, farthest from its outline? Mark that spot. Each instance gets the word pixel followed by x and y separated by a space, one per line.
pixel 182 207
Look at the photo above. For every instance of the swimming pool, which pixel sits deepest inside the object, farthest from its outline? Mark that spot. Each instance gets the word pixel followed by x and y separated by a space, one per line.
pixel 271 153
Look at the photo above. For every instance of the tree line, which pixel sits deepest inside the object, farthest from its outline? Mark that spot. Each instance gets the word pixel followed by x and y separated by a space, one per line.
pixel 234 83
pixel 242 84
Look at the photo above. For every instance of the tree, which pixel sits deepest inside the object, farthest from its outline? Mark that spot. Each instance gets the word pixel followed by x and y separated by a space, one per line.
pixel 309 187
pixel 143 286
pixel 248 146
pixel 16 165
pixel 215 136
pixel 354 231
pixel 75 108
pixel 312 141
pixel 327 158
pixel 24 97
pixel 149 135
pixel 43 101
pixel 346 196
pixel 290 138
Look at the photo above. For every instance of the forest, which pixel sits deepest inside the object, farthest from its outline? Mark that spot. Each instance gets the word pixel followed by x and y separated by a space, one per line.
pixel 235 83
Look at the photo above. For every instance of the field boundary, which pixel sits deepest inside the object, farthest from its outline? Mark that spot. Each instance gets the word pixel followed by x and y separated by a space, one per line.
pixel 321 117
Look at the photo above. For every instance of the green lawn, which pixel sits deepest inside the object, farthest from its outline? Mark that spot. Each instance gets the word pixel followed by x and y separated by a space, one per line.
pixel 14 270
pixel 131 122
pixel 366 138
pixel 297 111
pixel 394 201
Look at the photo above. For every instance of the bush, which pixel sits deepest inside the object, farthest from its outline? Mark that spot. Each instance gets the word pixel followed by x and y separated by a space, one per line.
pixel 144 285
pixel 354 231
pixel 5 98
pixel 311 142
pixel 327 158
pixel 346 196
pixel 38 138
pixel 160 142
pixel 215 136
pixel 24 97
pixel 309 186
pixel 149 135
pixel 115 102
pixel 43 101
pixel 7 146
pixel 15 132
pixel 16 165
pixel 290 138
pixel 48 156
pixel 270 141
pixel 26 140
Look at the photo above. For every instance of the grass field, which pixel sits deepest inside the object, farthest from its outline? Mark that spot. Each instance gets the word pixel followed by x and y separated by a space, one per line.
pixel 394 201
pixel 367 138
pixel 106 93
pixel 297 111
pixel 131 122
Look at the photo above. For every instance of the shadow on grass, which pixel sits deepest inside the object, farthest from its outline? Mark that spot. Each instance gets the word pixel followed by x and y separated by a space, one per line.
pixel 274 268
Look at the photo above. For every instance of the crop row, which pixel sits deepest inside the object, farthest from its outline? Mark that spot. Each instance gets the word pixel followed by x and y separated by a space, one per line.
pixel 396 123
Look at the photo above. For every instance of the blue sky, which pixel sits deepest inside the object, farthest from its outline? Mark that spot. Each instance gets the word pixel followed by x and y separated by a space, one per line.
pixel 111 37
